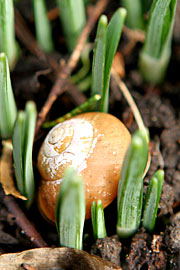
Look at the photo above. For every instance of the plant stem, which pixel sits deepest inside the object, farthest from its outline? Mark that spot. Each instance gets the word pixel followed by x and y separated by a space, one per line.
pixel 129 99
pixel 86 106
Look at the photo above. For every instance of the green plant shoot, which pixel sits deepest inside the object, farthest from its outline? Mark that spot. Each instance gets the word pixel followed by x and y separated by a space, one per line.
pixel 8 43
pixel 156 52
pixel 135 18
pixel 42 25
pixel 130 188
pixel 146 4
pixel 7 101
pixel 98 222
pixel 30 124
pixel 107 40
pixel 70 210
pixel 18 150
pixel 98 65
pixel 114 30
pixel 23 137
pixel 152 198
pixel 73 19
pixel 86 64
pixel 88 105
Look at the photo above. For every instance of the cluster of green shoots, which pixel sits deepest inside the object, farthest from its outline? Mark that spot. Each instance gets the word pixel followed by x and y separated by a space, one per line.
pixel 133 207
pixel 156 52
pixel 20 126
pixel 154 56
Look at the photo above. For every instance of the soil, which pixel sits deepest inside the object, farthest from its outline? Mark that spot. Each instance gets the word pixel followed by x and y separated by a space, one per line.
pixel 32 79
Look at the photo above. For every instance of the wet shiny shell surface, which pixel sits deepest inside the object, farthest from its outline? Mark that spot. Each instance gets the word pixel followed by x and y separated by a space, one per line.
pixel 95 145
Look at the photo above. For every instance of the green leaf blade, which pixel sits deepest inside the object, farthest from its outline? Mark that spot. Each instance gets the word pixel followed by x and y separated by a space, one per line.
pixel 101 228
pixel 73 19
pixel 130 188
pixel 135 18
pixel 99 57
pixel 152 199
pixel 42 25
pixel 98 221
pixel 93 219
pixel 88 105
pixel 156 52
pixel 114 30
pixel 18 148
pixel 30 122
pixel 7 32
pixel 70 210
pixel 7 101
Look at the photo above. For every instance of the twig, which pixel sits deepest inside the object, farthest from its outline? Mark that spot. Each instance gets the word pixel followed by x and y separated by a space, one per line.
pixel 129 99
pixel 53 13
pixel 22 221
pixel 134 36
pixel 67 69
pixel 134 109
pixel 76 96
pixel 26 37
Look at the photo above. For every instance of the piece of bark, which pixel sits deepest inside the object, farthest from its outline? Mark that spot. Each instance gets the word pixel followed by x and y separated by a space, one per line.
pixel 6 178
pixel 54 258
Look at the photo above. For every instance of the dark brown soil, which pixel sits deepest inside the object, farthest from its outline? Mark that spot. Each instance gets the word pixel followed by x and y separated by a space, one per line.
pixel 159 106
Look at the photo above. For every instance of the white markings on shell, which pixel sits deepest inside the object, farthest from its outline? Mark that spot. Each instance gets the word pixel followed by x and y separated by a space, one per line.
pixel 77 150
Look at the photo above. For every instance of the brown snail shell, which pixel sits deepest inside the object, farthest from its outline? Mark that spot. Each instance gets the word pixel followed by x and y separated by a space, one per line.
pixel 95 145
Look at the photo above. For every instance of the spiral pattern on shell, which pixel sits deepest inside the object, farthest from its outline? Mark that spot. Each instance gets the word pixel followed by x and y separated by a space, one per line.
pixel 95 145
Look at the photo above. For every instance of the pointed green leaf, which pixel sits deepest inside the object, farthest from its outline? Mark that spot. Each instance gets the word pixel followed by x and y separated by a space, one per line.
pixel 7 101
pixel 114 30
pixel 146 4
pixel 73 18
pixel 30 122
pixel 70 210
pixel 130 188
pixel 18 150
pixel 7 32
pixel 84 107
pixel 42 25
pixel 98 222
pixel 99 57
pixel 156 52
pixel 135 16
pixel 81 74
pixel 93 219
pixel 152 198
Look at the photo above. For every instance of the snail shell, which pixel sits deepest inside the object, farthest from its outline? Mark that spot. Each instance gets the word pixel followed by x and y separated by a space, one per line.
pixel 95 145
